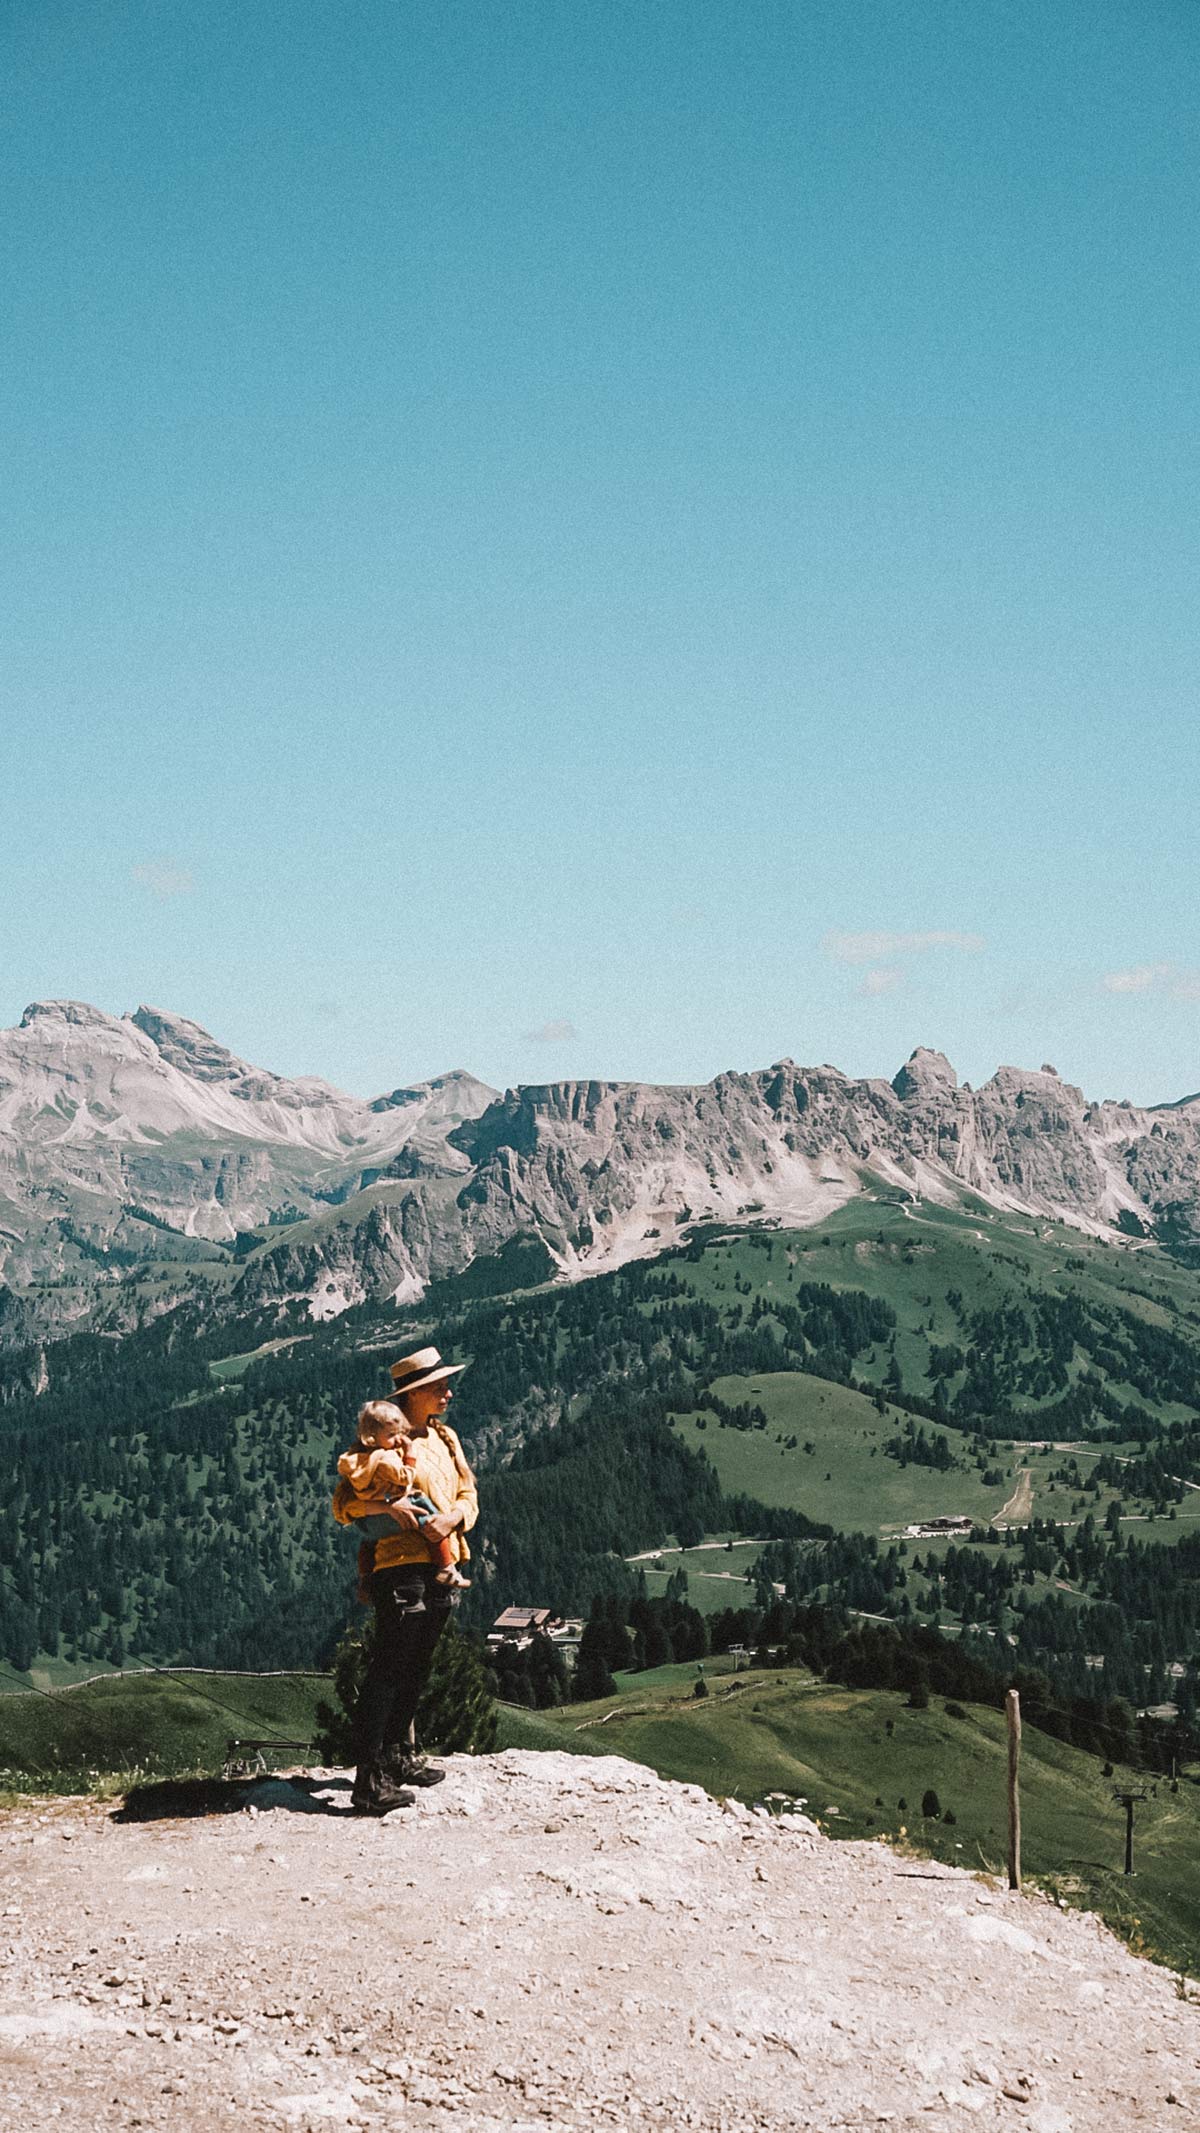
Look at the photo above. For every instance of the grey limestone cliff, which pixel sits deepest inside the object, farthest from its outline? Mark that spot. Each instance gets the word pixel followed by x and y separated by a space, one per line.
pixel 134 1145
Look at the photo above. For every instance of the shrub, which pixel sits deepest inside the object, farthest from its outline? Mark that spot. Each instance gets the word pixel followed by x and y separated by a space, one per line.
pixel 931 1806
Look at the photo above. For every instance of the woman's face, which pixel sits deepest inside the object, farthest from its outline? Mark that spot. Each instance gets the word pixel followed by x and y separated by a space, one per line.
pixel 424 1404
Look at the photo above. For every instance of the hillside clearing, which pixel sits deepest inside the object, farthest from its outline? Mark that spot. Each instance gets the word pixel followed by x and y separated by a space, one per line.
pixel 1020 1504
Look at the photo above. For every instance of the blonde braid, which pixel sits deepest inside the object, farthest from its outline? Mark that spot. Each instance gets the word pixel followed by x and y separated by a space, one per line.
pixel 454 1448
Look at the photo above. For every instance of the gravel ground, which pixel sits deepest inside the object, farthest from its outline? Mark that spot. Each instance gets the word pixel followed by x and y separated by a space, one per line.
pixel 554 1941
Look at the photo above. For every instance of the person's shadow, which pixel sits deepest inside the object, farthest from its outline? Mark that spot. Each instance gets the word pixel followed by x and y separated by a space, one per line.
pixel 186 1799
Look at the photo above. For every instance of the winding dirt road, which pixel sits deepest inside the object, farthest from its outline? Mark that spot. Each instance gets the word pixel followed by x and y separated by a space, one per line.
pixel 1020 1503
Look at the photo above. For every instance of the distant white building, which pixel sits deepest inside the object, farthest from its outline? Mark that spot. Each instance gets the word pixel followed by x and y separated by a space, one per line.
pixel 518 1626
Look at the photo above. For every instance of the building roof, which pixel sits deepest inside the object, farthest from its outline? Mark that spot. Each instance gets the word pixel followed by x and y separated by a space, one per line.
pixel 523 1618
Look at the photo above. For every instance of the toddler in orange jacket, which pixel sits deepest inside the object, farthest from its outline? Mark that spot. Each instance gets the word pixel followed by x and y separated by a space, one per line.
pixel 380 1463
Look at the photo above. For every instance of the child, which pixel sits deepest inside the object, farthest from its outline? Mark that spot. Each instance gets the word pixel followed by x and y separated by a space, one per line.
pixel 380 1464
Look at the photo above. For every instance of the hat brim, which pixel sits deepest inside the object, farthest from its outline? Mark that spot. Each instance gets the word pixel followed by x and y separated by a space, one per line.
pixel 427 1377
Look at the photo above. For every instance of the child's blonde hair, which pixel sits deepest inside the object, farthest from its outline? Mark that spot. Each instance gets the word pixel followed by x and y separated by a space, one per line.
pixel 377 1416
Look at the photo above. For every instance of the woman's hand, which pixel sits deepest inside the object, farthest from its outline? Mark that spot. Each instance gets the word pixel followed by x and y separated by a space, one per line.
pixel 404 1515
pixel 441 1527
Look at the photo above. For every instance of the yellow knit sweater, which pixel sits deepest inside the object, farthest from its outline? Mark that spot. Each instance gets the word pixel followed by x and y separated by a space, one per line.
pixel 441 1471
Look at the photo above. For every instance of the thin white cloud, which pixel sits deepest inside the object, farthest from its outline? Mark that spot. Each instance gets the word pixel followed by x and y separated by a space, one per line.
pixel 1146 977
pixel 876 947
pixel 552 1033
pixel 163 878
pixel 877 981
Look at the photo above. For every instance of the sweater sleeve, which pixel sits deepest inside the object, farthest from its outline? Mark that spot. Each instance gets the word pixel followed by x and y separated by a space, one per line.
pixel 349 1508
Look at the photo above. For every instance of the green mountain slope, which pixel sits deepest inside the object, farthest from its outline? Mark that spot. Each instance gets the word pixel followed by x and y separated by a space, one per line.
pixel 156 1724
pixel 168 1493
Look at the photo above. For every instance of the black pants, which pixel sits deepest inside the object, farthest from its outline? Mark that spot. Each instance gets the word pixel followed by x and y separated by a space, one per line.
pixel 411 1611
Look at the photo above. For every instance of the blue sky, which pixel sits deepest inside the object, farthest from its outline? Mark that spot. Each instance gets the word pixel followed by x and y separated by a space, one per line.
pixel 619 540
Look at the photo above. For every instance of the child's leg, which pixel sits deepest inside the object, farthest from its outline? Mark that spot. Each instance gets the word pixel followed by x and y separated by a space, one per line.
pixel 442 1551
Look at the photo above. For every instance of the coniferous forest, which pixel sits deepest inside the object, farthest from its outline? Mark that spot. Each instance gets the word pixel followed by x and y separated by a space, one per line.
pixel 168 1493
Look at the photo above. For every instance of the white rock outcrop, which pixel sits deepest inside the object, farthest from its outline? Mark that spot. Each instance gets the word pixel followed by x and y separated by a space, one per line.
pixel 550 1943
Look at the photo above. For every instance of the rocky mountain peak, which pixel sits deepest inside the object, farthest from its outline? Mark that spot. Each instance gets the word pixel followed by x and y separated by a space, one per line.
pixel 44 1015
pixel 189 1048
pixel 1021 1084
pixel 111 1119
pixel 924 1074
pixel 454 1093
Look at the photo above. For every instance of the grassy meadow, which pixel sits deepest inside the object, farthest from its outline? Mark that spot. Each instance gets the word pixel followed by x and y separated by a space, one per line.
pixel 932 1264
pixel 718 1574
pixel 155 1724
pixel 935 1267
pixel 847 1479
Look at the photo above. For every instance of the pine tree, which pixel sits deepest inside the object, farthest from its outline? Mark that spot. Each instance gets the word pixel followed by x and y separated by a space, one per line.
pixel 548 1675
pixel 456 1714
pixel 659 1650
pixel 593 1676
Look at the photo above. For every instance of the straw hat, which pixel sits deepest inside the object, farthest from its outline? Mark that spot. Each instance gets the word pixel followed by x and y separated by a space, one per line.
pixel 423 1367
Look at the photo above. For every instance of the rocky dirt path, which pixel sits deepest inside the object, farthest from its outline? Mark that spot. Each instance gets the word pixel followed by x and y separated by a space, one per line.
pixel 1020 1503
pixel 550 1941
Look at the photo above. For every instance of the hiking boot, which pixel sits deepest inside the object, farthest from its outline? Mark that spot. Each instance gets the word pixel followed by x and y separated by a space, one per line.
pixel 405 1767
pixel 376 1792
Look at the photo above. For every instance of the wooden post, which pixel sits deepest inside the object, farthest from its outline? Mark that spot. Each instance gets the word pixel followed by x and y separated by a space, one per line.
pixel 1012 1712
pixel 1127 1801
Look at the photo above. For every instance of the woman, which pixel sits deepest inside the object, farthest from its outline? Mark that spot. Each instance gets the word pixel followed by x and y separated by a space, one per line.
pixel 411 1608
